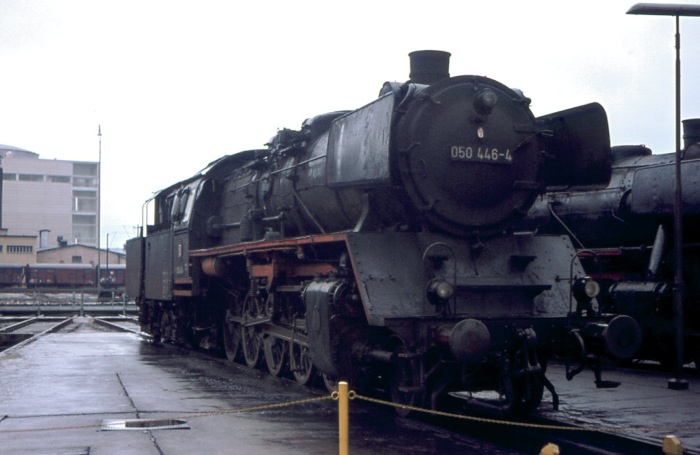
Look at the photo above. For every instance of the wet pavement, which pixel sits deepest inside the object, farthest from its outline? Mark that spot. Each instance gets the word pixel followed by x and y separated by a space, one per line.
pixel 56 392
pixel 642 406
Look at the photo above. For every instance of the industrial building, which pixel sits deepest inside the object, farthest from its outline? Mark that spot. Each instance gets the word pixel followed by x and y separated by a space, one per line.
pixel 49 210
pixel 57 201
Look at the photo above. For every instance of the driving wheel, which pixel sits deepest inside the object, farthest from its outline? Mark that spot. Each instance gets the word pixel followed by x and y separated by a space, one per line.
pixel 275 354
pixel 251 340
pixel 300 363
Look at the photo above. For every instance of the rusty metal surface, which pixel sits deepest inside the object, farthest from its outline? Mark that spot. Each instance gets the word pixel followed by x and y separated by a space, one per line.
pixel 356 158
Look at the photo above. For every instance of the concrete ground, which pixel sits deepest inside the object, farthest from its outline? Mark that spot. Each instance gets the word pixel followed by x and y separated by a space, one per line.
pixel 56 393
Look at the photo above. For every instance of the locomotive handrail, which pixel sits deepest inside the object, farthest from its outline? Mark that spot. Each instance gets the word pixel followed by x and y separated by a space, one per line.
pixel 306 209
pixel 295 165
pixel 561 222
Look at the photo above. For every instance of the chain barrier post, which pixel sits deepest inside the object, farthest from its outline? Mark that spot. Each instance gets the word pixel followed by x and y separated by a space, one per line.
pixel 343 418
pixel 672 446
pixel 550 449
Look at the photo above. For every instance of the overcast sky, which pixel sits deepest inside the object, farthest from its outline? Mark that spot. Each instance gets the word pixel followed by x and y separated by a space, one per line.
pixel 177 84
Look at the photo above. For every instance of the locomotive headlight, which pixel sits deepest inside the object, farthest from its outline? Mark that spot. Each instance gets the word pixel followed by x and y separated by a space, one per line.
pixel 592 288
pixel 439 291
pixel 586 288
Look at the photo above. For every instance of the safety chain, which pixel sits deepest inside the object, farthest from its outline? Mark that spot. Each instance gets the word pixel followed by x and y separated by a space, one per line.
pixel 264 407
pixel 352 395
pixel 194 415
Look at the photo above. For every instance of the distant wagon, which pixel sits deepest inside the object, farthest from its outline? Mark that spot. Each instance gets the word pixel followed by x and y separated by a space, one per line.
pixel 112 275
pixel 61 275
pixel 11 275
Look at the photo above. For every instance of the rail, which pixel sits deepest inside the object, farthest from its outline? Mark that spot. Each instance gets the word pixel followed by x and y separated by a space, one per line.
pixel 11 338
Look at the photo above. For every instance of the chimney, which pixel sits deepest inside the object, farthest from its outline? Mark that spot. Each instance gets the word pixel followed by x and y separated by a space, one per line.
pixel 44 239
pixel 428 67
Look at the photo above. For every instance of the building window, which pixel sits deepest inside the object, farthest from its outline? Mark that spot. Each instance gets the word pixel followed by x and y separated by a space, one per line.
pixel 0 248
pixel 85 234
pixel 58 178
pixel 84 205
pixel 9 176
pixel 84 201
pixel 84 182
pixel 76 259
pixel 85 193
pixel 84 169
pixel 31 178
pixel 84 219
pixel 19 249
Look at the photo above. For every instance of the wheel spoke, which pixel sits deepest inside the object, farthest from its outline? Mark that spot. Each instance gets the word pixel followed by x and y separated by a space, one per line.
pixel 251 341
pixel 232 333
pixel 251 347
pixel 275 354
pixel 300 363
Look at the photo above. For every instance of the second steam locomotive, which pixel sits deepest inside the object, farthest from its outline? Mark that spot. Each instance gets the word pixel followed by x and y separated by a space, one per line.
pixel 378 246
pixel 625 232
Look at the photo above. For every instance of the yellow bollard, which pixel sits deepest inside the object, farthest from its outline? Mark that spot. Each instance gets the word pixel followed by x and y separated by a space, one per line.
pixel 550 449
pixel 672 446
pixel 343 417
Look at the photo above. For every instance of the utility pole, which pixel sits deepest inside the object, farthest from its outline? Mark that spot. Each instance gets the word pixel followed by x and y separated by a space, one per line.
pixel 99 197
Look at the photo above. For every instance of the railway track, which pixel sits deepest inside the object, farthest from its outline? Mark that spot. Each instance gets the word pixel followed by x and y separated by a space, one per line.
pixel 23 330
pixel 69 309
pixel 62 302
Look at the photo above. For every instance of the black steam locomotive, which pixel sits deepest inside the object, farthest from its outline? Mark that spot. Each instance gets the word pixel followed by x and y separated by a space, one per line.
pixel 625 234
pixel 377 246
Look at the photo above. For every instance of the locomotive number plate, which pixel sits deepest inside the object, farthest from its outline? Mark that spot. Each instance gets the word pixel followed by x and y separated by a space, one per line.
pixel 480 154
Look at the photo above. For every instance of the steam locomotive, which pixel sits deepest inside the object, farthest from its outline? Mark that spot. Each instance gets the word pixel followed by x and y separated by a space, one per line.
pixel 378 246
pixel 625 233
